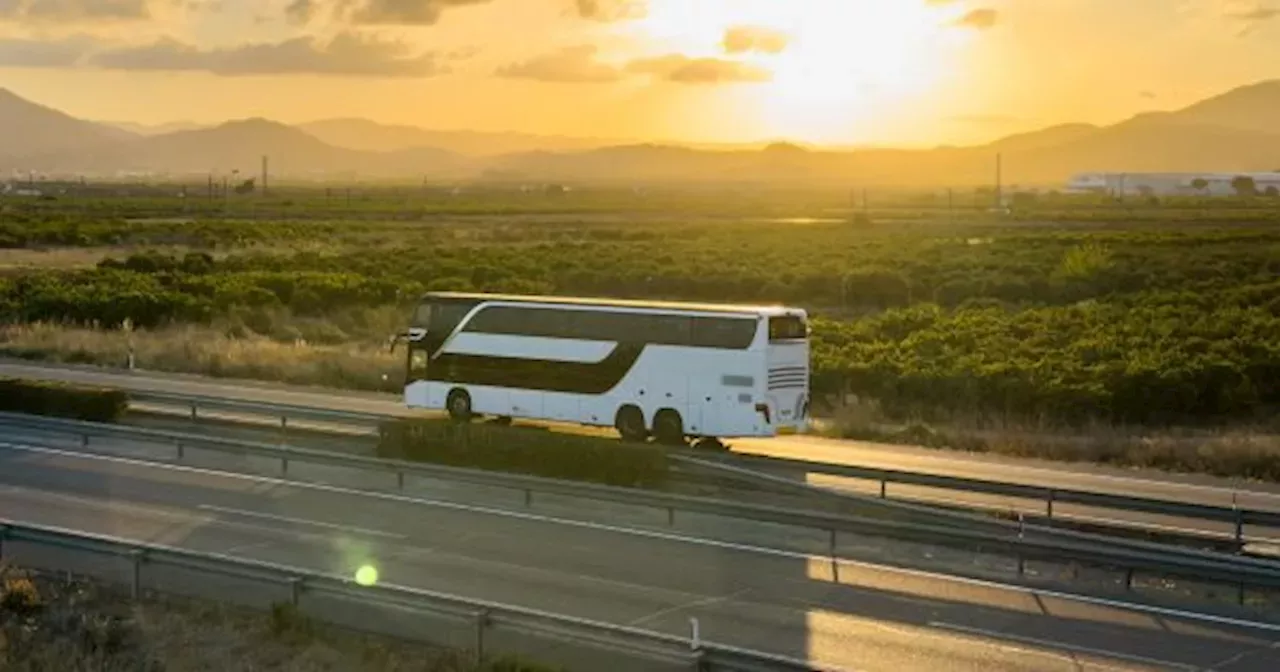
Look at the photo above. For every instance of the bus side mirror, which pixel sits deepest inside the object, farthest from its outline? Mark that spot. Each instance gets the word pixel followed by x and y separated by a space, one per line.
pixel 395 340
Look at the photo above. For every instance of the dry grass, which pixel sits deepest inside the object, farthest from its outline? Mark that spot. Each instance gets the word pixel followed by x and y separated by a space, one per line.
pixel 57 257
pixel 1244 451
pixel 77 625
pixel 211 351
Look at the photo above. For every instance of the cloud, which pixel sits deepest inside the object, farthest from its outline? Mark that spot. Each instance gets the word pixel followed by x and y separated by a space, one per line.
pixel 299 12
pixel 1147 95
pixel 64 53
pixel 611 10
pixel 979 19
pixel 743 39
pixel 400 12
pixel 347 54
pixel 74 10
pixel 1249 14
pixel 571 64
pixel 685 70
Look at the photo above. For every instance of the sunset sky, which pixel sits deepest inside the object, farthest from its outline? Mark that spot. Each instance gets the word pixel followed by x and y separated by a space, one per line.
pixel 899 72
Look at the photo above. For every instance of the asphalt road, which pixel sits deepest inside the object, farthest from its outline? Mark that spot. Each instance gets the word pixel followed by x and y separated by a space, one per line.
pixel 1143 483
pixel 873 618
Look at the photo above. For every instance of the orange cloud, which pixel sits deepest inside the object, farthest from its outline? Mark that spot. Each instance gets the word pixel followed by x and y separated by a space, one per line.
pixel 743 39
pixel 685 70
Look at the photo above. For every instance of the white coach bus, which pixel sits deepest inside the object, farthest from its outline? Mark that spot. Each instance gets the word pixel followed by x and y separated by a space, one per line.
pixel 666 370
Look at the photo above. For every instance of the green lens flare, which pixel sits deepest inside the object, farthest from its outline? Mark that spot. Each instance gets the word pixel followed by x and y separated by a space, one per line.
pixel 367 575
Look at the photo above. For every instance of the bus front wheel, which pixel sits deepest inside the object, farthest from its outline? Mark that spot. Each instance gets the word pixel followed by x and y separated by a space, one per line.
pixel 630 424
pixel 459 405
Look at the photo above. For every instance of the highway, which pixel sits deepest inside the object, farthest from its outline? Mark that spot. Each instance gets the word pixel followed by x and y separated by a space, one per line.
pixel 1098 478
pixel 874 618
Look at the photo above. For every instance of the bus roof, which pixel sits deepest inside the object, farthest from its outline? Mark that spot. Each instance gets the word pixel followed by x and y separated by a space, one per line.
pixel 615 303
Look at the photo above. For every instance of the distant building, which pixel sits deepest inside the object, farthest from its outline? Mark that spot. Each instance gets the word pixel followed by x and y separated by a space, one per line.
pixel 1168 184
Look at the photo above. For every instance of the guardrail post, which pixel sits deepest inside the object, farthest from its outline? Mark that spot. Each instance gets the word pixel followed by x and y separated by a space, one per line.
pixel 528 498
pixel 4 533
pixel 194 414
pixel 831 550
pixel 1049 503
pixel 671 516
pixel 1128 579
pixel 695 636
pixel 284 466
pixel 295 590
pixel 284 429
pixel 482 622
pixel 1239 519
pixel 136 585
pixel 84 440
pixel 884 488
pixel 181 450
pixel 400 480
pixel 1240 594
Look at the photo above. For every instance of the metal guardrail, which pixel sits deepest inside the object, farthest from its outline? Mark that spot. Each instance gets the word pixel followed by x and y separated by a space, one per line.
pixel 1239 517
pixel 271 409
pixel 300 586
pixel 1017 541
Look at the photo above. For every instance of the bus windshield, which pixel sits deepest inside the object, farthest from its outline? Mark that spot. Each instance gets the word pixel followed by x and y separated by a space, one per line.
pixel 788 328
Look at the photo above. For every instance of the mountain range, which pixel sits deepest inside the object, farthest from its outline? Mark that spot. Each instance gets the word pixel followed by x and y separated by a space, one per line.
pixel 1237 131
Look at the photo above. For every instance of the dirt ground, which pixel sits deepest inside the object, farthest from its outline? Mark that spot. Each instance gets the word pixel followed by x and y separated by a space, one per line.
pixel 60 624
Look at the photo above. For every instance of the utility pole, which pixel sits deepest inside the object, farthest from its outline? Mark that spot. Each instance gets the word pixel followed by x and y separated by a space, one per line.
pixel 999 181
pixel 264 174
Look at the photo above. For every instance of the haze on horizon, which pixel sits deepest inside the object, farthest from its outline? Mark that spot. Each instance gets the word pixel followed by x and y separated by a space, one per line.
pixel 906 72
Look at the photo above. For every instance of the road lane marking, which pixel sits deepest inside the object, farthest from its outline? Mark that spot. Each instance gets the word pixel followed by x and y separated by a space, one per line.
pixel 1051 645
pixel 301 521
pixel 1242 655
pixel 704 602
pixel 666 536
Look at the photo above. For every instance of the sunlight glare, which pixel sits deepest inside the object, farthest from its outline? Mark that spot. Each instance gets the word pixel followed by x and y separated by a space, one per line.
pixel 843 56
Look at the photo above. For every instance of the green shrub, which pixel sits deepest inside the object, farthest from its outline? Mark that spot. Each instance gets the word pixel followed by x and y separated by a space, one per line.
pixel 525 451
pixel 62 400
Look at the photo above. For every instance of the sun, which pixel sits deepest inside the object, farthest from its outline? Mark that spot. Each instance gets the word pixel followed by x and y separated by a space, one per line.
pixel 843 59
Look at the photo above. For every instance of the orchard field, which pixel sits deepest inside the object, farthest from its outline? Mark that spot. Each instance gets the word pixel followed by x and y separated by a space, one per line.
pixel 1064 311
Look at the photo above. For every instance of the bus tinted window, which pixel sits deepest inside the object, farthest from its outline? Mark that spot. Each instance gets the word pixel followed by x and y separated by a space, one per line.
pixel 499 320
pixel 787 328
pixel 622 327
pixel 446 316
pixel 422 316
pixel 720 332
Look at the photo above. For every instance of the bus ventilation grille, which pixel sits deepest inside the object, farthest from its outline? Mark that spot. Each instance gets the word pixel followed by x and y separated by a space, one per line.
pixel 785 377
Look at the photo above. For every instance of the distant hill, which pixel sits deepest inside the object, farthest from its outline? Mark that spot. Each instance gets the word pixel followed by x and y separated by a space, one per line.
pixel 371 136
pixel 154 129
pixel 235 145
pixel 1236 131
pixel 28 128
pixel 1255 107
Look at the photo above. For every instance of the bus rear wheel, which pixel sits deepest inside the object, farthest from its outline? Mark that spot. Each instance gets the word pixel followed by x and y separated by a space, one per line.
pixel 459 405
pixel 668 428
pixel 630 424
